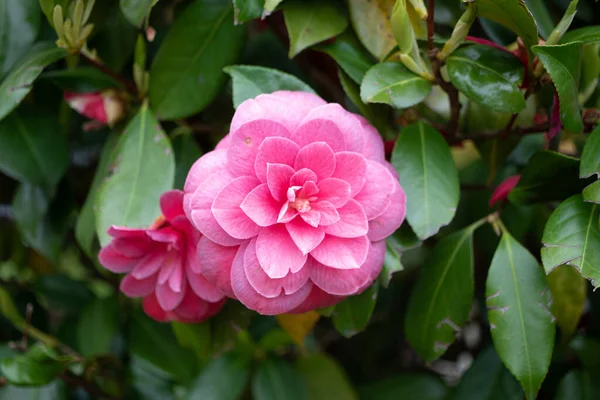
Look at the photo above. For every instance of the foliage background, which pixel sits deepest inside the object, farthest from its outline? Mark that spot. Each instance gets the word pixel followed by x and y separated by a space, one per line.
pixel 67 333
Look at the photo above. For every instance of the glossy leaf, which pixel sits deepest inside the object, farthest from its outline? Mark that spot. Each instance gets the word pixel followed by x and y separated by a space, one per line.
pixel 349 54
pixel 17 84
pixel 488 76
pixel 512 14
pixel 34 368
pixel 587 34
pixel 33 148
pixel 590 165
pixel 298 326
pixel 325 378
pixel 136 10
pixel 578 385
pixel 520 314
pixel 19 26
pixel 488 379
pixel 371 22
pixel 429 177
pixel 144 169
pixel 392 83
pixel 97 327
pixel 187 73
pixel 246 10
pixel 352 315
pixel 275 379
pixel 542 15
pixel 309 23
pixel 441 299
pixel 572 236
pixel 563 64
pixel 225 378
pixel 406 387
pixel 250 81
pixel 569 291
pixel 548 176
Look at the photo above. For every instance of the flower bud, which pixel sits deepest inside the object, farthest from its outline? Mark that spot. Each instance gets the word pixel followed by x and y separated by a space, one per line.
pixel 105 107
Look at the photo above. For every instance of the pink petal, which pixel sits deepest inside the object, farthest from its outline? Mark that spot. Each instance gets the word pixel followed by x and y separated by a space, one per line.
pixel 352 168
pixel 203 288
pixel 171 204
pixel 305 236
pixel 302 176
pixel 301 102
pixel 348 124
pixel 353 221
pixel 125 232
pixel 115 261
pixel 373 148
pixel 317 299
pixel 176 280
pixel 172 261
pixel 204 167
pixel 335 191
pixel 245 142
pixel 391 219
pixel 260 206
pixel 311 217
pixel 277 252
pixel 165 235
pixel 192 308
pixel 375 196
pixel 278 180
pixel 149 265
pixel 153 309
pixel 374 261
pixel 342 253
pixel 266 286
pixel 318 157
pixel 286 214
pixel 224 143
pixel 131 247
pixel 215 264
pixel 208 225
pixel 246 294
pixel 227 211
pixel 308 190
pixel 167 297
pixel 503 189
pixel 274 150
pixel 329 214
pixel 137 287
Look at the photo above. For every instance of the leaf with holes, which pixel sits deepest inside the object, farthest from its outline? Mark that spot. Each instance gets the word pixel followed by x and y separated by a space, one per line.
pixel 590 165
pixel 520 314
pixel 514 15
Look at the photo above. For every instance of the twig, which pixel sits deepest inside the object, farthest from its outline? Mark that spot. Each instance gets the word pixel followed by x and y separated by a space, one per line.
pixel 127 84
pixel 76 381
pixel 513 119
pixel 430 28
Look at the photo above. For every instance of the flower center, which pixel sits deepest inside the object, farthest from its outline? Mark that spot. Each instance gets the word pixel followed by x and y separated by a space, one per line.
pixel 301 205
pixel 299 199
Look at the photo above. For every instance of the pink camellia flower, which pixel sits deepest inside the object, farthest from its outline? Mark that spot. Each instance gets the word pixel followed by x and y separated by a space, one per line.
pixel 161 266
pixel 294 204
pixel 503 189
pixel 103 108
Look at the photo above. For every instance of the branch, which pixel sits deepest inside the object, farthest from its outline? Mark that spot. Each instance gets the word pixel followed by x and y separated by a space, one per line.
pixel 126 83
pixel 430 31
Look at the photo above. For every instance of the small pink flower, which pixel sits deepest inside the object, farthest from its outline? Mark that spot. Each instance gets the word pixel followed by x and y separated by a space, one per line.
pixel 161 266
pixel 294 205
pixel 503 189
pixel 106 107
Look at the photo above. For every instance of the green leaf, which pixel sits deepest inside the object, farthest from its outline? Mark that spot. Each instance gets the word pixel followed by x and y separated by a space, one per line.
pixel 246 10
pixel 114 40
pixel 271 5
pixel 512 14
pixel 249 81
pixel 441 299
pixel 563 63
pixel 227 325
pixel 35 368
pixel 53 391
pixel 186 153
pixel 520 314
pixel 406 387
pixel 63 294
pixel 488 379
pixel 325 378
pixel 18 30
pixel 578 385
pixel 572 236
pixel 587 350
pixel 144 169
pixel 587 34
pixel 48 7
pixel 392 83
pixel 33 148
pixel 80 79
pixel 18 83
pixel 592 192
pixel 275 379
pixel 156 343
pixel 488 76
pixel 349 55
pixel 136 10
pixel 97 326
pixel 429 177
pixel 225 378
pixel 193 336
pixel 371 22
pixel 391 264
pixel 187 73
pixel 548 176
pixel 542 16
pixel 569 291
pixel 590 165
pixel 309 23
pixel 352 315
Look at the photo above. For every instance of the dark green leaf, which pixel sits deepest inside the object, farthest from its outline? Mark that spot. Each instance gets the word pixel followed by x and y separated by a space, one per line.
pixel 275 379
pixel 489 76
pixel 405 387
pixel 572 237
pixel 53 391
pixel 186 153
pixel 193 336
pixel 349 55
pixel 590 165
pixel 150 382
pixel 225 378
pixel 429 177
pixel 249 81
pixel 587 350
pixel 588 34
pixel 391 83
pixel 246 10
pixel 136 10
pixel 187 73
pixel 578 385
pixel 512 14
pixel 98 325
pixel 352 90
pixel 33 148
pixel 569 291
pixel 115 40
pixel 325 378
pixel 35 368
pixel 144 169
pixel 563 63
pixel 81 79
pixel 19 81
pixel 18 30
pixel 520 314
pixel 352 315
pixel 441 299
pixel 63 293
pixel 488 379
pixel 309 23
pixel 391 264
pixel 543 18
pixel 227 325
pixel 548 176
pixel 371 22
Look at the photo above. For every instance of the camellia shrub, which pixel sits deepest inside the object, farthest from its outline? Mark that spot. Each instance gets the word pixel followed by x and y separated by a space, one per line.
pixel 295 199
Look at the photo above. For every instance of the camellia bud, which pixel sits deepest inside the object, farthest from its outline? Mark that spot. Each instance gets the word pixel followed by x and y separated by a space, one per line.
pixel 105 107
